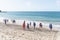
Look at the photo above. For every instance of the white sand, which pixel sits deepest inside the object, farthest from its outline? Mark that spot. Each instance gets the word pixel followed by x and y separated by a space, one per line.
pixel 15 32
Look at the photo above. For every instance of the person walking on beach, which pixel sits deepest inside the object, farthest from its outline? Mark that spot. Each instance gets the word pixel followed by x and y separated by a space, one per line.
pixel 5 21
pixel 24 25
pixel 27 26
pixel 40 25
pixel 30 23
pixel 34 24
pixel 50 26
pixel 13 21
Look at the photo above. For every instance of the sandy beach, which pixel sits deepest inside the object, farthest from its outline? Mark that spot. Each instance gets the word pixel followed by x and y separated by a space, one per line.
pixel 29 19
pixel 15 32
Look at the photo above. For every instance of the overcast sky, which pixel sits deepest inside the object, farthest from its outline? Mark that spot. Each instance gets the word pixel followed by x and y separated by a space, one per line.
pixel 30 5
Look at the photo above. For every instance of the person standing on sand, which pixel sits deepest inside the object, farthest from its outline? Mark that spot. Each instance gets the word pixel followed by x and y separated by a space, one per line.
pixel 30 23
pixel 50 26
pixel 24 25
pixel 34 24
pixel 13 21
pixel 40 25
pixel 27 26
pixel 5 21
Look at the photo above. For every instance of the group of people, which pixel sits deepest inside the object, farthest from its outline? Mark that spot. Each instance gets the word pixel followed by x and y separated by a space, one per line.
pixel 29 24
pixel 6 20
pixel 34 25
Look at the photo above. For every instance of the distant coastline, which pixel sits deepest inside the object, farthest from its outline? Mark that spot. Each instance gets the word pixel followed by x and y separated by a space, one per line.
pixel 2 11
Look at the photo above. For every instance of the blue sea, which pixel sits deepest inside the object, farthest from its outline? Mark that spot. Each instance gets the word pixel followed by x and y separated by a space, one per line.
pixel 46 17
pixel 50 16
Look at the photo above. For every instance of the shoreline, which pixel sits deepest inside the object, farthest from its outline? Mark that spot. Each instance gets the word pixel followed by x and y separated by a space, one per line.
pixel 20 22
pixel 14 31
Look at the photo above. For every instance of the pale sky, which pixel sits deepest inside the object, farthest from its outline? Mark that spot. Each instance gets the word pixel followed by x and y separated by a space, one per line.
pixel 30 5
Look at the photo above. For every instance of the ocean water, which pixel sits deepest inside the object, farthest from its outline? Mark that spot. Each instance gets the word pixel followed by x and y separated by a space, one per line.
pixel 33 16
pixel 45 17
